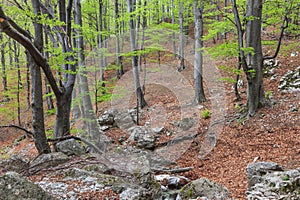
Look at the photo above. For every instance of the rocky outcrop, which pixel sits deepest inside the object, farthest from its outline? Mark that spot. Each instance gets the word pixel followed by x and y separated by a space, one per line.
pixel 70 147
pixel 45 161
pixel 290 82
pixel 13 186
pixel 142 136
pixel 267 180
pixel 204 188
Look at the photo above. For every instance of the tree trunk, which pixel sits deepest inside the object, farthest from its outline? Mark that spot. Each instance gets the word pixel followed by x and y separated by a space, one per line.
pixel 88 114
pixel 120 71
pixel 3 64
pixel 181 36
pixel 255 59
pixel 198 74
pixel 139 93
pixel 40 139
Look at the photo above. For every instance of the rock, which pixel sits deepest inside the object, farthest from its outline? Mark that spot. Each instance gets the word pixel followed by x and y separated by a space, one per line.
pixel 143 137
pixel 185 124
pixel 256 170
pixel 13 186
pixel 124 120
pixel 140 194
pixel 45 161
pixel 204 188
pixel 107 119
pixel 70 147
pixel 290 82
pixel 158 130
pixel 15 163
pixel 274 184
pixel 171 182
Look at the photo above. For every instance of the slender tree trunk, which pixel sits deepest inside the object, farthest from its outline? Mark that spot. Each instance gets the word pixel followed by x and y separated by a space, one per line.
pixel 37 91
pixel 198 72
pixel 3 64
pixel 17 64
pixel 139 93
pixel 49 100
pixel 120 71
pixel 173 31
pixel 181 36
pixel 89 116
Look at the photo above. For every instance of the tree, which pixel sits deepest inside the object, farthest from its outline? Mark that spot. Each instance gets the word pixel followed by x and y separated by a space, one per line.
pixel 198 78
pixel 88 112
pixel 140 96
pixel 63 91
pixel 252 59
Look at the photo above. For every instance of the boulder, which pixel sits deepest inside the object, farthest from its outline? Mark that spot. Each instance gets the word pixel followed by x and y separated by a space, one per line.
pixel 255 171
pixel 204 188
pixel 70 147
pixel 290 82
pixel 107 118
pixel 15 163
pixel 45 161
pixel 143 137
pixel 123 120
pixel 269 181
pixel 13 186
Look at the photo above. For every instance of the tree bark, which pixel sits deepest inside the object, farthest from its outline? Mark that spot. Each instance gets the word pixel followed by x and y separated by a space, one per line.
pixel 254 60
pixel 198 73
pixel 138 90
pixel 88 114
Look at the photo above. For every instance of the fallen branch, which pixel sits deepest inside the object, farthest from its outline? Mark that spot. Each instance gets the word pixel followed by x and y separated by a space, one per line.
pixel 173 171
pixel 18 127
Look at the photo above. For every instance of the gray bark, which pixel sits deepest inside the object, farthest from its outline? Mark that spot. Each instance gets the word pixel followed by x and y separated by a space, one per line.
pixel 88 114
pixel 3 64
pixel 140 96
pixel 181 36
pixel 117 31
pixel 198 73
pixel 40 139
pixel 255 61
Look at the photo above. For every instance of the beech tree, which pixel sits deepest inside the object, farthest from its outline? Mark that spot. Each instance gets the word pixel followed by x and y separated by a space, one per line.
pixel 61 90
pixel 198 78
pixel 139 93
pixel 252 61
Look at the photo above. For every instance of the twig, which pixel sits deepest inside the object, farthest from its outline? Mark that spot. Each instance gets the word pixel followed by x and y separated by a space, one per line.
pixel 173 171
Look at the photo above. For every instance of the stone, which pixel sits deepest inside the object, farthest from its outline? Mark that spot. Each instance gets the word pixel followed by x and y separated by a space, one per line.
pixel 204 188
pixel 13 186
pixel 256 170
pixel 107 118
pixel 143 137
pixel 70 147
pixel 45 161
pixel 171 182
pixel 184 124
pixel 290 82
pixel 124 121
pixel 273 183
pixel 15 163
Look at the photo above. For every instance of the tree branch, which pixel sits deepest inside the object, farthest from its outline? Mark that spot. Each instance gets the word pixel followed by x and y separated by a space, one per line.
pixel 35 53
pixel 284 25
pixel 18 127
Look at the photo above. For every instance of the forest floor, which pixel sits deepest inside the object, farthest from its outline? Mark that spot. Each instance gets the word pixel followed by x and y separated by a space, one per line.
pixel 273 134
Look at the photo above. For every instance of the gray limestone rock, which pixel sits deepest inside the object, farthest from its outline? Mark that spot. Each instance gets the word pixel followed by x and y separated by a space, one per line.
pixel 70 147
pixel 204 188
pixel 13 186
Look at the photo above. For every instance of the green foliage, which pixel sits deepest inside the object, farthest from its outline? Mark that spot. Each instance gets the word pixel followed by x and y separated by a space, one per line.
pixel 51 111
pixel 268 94
pixel 205 114
pixel 227 49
